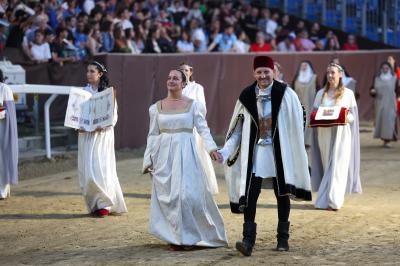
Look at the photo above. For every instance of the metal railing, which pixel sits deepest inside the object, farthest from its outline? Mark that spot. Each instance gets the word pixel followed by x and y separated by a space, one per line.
pixel 377 20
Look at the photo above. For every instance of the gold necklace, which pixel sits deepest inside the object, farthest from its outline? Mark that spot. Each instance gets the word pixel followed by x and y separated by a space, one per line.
pixel 172 99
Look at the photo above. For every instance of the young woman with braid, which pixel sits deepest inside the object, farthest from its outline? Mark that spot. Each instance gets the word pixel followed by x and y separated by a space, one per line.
pixel 96 157
pixel 335 151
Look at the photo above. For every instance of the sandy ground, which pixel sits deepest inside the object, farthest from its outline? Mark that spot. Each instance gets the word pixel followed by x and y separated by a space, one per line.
pixel 45 222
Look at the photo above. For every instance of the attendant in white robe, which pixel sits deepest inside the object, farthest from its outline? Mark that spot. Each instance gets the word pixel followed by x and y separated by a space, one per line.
pixel 305 84
pixel 384 92
pixel 335 151
pixel 8 140
pixel 183 212
pixel 265 141
pixel 278 72
pixel 96 157
pixel 195 91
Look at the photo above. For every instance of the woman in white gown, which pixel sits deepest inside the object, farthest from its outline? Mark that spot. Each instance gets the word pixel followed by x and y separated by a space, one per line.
pixel 195 91
pixel 8 140
pixel 96 157
pixel 335 151
pixel 183 211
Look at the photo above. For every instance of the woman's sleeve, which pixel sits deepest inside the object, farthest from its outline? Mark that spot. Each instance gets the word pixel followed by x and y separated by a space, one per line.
pixel 154 131
pixel 200 96
pixel 200 123
pixel 353 110
pixel 115 113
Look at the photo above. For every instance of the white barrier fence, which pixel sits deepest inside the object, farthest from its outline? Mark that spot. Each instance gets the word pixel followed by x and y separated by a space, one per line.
pixel 54 90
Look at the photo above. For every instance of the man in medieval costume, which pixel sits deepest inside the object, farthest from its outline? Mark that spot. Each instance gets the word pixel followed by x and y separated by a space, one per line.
pixel 265 141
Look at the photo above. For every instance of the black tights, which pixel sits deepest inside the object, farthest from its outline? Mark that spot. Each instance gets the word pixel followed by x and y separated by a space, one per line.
pixel 254 192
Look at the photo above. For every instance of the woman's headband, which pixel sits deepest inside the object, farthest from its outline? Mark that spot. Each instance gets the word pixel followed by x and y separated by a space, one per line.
pixel 337 66
pixel 102 68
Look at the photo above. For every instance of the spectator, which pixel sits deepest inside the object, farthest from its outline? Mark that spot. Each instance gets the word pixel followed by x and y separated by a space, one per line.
pixel 177 11
pixel 319 46
pixel 195 12
pixel 40 49
pixel 303 43
pixel 71 25
pixel 94 41
pixel 315 32
pixel 130 39
pixel 152 6
pixel 242 43
pixel 70 9
pixel 62 51
pixel 332 44
pixel 49 37
pixel 286 45
pixel 120 45
pixel 198 36
pixel 300 26
pixel 138 38
pixel 40 23
pixel 88 6
pixel 184 45
pixel 328 36
pixel 263 21
pixel 250 23
pixel 272 25
pixel 226 15
pixel 284 29
pixel 124 18
pixel 164 20
pixel 151 45
pixel 224 41
pixel 107 28
pixel 260 45
pixel 165 42
pixel 215 29
pixel 351 44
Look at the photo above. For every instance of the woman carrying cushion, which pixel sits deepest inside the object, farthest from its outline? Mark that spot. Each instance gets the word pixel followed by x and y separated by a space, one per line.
pixel 335 150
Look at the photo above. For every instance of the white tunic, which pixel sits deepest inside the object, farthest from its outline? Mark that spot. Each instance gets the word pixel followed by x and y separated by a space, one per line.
pixel 264 160
pixel 97 169
pixel 183 211
pixel 195 91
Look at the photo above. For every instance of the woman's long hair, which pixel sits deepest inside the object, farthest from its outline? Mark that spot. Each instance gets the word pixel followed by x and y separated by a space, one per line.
pixel 340 87
pixel 104 82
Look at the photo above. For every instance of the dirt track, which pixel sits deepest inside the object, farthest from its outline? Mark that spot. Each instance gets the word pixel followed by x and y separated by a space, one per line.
pixel 45 222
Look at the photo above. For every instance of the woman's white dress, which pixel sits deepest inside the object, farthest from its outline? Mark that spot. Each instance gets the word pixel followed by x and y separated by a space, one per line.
pixel 336 155
pixel 385 109
pixel 97 169
pixel 195 91
pixel 183 211
pixel 8 142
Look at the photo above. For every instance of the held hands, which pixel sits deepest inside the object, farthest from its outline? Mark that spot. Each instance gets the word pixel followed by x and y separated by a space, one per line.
pixel 216 156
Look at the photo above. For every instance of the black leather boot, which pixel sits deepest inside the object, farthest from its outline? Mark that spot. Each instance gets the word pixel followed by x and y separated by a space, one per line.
pixel 249 238
pixel 283 236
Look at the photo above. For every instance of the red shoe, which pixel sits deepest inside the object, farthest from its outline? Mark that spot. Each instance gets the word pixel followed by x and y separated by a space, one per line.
pixel 332 209
pixel 102 213
pixel 173 247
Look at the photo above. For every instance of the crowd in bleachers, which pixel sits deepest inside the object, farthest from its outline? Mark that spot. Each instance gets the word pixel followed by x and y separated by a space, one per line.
pixel 71 30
